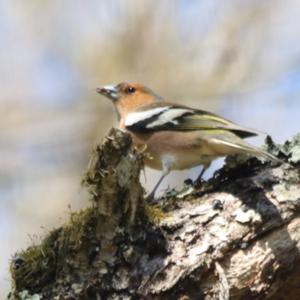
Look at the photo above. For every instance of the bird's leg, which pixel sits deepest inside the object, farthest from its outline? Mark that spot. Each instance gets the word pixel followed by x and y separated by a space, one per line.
pixel 150 197
pixel 166 164
pixel 199 178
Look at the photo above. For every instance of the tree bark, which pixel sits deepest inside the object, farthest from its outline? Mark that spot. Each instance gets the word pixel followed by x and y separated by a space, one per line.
pixel 236 236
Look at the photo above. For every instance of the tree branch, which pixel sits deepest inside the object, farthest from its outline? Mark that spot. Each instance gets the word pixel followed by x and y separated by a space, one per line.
pixel 236 236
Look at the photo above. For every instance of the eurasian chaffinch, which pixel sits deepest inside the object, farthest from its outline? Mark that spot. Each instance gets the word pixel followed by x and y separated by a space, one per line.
pixel 176 136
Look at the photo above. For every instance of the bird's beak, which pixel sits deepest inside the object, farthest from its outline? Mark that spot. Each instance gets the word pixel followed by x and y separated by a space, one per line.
pixel 109 91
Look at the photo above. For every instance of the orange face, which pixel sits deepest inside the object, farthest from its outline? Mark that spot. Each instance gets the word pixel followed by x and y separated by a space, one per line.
pixel 127 97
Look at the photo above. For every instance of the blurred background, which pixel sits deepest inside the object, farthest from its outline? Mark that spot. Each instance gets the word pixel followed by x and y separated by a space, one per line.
pixel 238 58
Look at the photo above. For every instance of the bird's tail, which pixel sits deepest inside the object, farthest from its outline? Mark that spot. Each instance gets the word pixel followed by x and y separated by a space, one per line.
pixel 232 144
pixel 241 146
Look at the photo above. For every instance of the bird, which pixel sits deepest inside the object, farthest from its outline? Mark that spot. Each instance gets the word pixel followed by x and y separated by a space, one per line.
pixel 175 136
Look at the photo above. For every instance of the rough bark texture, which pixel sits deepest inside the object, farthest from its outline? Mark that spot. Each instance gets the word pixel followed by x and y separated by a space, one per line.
pixel 234 237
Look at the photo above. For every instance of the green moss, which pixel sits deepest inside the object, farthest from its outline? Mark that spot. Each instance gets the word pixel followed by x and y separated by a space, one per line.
pixel 76 230
pixel 36 265
pixel 154 214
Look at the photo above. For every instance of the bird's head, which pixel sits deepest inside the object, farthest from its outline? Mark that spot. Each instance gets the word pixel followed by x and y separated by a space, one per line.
pixel 128 97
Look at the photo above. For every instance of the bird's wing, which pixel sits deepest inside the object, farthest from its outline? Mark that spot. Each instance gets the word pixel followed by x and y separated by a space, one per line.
pixel 168 116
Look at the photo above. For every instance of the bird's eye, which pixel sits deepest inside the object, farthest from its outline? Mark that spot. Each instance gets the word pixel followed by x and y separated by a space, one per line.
pixel 130 90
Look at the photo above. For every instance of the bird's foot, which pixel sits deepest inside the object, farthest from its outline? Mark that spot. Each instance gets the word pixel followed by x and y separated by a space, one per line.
pixel 150 199
pixel 198 182
pixel 188 182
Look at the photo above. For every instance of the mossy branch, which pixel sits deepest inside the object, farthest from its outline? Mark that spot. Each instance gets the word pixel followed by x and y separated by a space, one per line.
pixel 236 236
